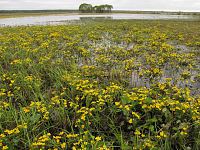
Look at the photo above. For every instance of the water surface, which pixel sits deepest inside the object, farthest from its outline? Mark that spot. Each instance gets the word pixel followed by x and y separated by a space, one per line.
pixel 62 19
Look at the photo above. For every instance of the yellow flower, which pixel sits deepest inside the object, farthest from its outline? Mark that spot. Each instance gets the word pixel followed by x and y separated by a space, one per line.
pixel 2 94
pixel 63 145
pixel 127 107
pixel 136 115
pixel 130 121
pixel 98 138
pixel 16 61
pixel 142 135
pixel 61 133
pixel 2 135
pixel 29 78
pixel 26 110
pixel 73 148
pixel 4 147
pixel 183 133
pixel 14 131
pixel 137 132
pixel 83 117
pixel 72 135
pixel 184 128
pixel 162 134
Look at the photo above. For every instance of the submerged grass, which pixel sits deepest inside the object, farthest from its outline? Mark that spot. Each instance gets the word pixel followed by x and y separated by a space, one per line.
pixel 100 85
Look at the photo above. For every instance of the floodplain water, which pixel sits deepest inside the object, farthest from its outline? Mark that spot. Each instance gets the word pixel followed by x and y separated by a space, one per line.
pixel 63 19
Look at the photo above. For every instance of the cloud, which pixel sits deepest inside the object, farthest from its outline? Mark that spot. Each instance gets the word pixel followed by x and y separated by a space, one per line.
pixel 173 5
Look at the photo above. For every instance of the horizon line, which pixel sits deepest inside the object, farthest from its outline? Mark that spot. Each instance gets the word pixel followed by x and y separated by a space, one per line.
pixel 113 10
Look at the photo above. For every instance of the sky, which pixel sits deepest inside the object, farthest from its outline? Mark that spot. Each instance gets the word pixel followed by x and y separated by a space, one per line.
pixel 154 5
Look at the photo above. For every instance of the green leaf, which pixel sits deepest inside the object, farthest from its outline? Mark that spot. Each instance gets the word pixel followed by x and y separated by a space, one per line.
pixel 35 118
pixel 151 128
pixel 125 100
pixel 148 100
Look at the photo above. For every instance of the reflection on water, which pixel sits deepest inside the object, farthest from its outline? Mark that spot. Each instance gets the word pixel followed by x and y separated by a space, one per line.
pixel 95 18
pixel 62 19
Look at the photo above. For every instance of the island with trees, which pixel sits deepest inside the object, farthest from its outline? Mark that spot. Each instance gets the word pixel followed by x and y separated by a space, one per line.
pixel 88 8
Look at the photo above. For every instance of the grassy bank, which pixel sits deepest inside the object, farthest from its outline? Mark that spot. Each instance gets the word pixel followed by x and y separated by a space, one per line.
pixel 100 85
pixel 29 14
pixel 25 14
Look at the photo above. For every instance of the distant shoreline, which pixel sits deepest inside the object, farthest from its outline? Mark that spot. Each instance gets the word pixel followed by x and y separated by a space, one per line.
pixel 24 13
pixel 114 11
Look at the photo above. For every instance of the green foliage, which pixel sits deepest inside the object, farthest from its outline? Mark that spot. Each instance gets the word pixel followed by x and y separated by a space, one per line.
pixel 87 8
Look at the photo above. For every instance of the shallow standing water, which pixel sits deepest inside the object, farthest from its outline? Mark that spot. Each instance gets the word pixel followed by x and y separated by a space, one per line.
pixel 62 19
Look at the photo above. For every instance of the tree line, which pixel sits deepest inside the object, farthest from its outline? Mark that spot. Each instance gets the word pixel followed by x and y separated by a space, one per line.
pixel 88 8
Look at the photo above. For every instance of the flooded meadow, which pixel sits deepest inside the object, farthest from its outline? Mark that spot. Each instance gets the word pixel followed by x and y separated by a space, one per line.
pixel 102 84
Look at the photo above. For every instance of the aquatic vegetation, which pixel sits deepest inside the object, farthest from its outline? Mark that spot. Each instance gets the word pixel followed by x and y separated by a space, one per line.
pixel 100 85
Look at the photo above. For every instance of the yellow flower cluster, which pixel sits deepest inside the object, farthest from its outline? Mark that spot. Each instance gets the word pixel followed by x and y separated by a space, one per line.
pixel 40 107
pixel 41 141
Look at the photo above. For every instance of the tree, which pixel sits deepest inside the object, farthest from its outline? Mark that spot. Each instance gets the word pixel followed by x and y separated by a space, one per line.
pixel 108 8
pixel 98 9
pixel 95 9
pixel 102 8
pixel 85 8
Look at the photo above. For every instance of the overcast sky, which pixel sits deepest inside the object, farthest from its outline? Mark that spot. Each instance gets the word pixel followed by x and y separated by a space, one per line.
pixel 170 5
